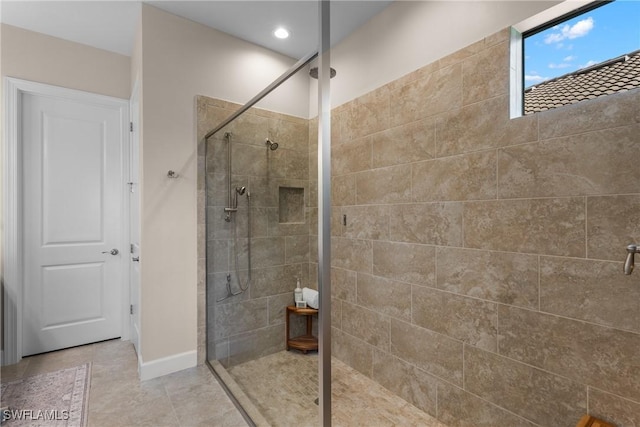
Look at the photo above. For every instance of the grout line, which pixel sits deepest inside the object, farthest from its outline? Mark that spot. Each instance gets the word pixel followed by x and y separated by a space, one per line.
pixel 539 283
pixel 498 328
pixel 586 228
pixel 588 399
pixel 464 371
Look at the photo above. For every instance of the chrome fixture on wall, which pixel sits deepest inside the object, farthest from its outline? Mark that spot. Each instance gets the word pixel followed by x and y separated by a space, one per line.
pixel 629 263
pixel 313 72
pixel 273 146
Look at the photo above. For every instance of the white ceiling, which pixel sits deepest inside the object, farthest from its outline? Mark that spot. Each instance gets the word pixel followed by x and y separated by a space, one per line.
pixel 110 25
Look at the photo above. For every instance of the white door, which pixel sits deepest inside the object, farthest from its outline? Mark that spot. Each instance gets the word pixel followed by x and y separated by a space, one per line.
pixel 134 219
pixel 73 222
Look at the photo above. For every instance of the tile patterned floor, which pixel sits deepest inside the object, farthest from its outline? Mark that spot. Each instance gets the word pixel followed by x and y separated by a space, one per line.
pixel 284 385
pixel 117 398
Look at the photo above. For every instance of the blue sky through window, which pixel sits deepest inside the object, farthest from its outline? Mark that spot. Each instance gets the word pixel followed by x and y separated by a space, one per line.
pixel 596 36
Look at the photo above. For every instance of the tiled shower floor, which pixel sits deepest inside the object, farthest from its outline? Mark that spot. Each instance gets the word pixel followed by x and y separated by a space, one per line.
pixel 284 385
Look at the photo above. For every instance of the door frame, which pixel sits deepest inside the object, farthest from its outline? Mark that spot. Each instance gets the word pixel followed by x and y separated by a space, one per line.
pixel 12 201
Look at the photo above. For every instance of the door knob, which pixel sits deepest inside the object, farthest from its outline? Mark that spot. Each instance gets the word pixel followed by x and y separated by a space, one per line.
pixel 112 252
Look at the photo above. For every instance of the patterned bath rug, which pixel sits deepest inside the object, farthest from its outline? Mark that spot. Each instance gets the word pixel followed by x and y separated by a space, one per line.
pixel 54 399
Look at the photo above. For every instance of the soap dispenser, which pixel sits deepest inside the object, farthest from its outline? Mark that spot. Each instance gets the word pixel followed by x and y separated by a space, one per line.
pixel 297 293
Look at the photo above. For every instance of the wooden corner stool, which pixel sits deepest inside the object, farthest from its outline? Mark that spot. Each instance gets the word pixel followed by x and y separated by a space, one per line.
pixel 305 342
pixel 589 421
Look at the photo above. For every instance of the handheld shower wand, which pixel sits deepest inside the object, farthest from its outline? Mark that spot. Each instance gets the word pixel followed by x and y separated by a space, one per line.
pixel 629 262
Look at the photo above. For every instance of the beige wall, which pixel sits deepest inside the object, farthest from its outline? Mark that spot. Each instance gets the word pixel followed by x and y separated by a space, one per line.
pixel 480 273
pixel 180 60
pixel 40 58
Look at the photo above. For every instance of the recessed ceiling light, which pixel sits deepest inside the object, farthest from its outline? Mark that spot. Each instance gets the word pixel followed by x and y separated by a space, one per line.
pixel 281 33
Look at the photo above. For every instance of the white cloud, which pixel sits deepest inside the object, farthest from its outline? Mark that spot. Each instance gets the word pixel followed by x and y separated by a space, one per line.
pixel 579 29
pixel 534 78
pixel 560 65
pixel 569 58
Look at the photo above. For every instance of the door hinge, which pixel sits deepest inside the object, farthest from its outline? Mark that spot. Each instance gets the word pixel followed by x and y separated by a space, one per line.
pixel 131 309
pixel 130 126
pixel 131 248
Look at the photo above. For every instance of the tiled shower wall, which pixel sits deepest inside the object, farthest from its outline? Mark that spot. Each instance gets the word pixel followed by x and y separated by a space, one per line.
pixel 479 275
pixel 251 324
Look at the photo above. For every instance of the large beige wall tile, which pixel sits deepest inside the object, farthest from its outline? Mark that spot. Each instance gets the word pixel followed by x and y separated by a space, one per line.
pixel 481 126
pixel 232 319
pixel 544 398
pixel 343 190
pixel 296 249
pixel 428 223
pixel 384 296
pixel 296 164
pixel 486 74
pixel 217 192
pixel 289 132
pixel 265 252
pixel 368 114
pixel 464 177
pixel 255 344
pixel 218 291
pixel 216 156
pixel 431 94
pixel 277 307
pixel 506 278
pixel 356 255
pixel 405 262
pixel 594 291
pixel 407 381
pixel 339 116
pixel 620 109
pixel 217 227
pixel 601 162
pixel 352 157
pixel 404 144
pixel 466 319
pixel 218 259
pixel 385 185
pixel 458 408
pixel 434 353
pixel 343 284
pixel 367 222
pixel 612 224
pixel 462 54
pixel 352 351
pixel 614 409
pixel 247 129
pixel 275 280
pixel 336 313
pixel 366 324
pixel 602 357
pixel 544 226
pixel 249 159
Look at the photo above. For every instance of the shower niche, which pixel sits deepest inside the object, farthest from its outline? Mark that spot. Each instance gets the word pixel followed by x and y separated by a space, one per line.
pixel 291 205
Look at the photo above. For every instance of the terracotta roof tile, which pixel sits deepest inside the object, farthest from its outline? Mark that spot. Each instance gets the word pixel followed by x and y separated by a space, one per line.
pixel 616 75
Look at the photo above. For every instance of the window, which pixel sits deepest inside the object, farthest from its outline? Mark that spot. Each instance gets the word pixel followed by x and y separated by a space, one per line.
pixel 582 54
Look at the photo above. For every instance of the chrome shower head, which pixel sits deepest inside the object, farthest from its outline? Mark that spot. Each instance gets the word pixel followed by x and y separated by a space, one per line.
pixel 241 190
pixel 272 145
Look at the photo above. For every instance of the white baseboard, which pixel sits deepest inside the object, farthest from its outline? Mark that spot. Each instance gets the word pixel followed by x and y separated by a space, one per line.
pixel 166 365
